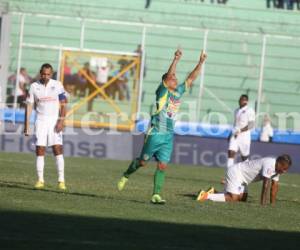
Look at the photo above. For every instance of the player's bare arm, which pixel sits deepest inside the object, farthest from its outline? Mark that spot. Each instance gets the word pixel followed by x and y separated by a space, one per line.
pixel 265 191
pixel 62 114
pixel 28 111
pixel 197 70
pixel 172 68
pixel 273 192
pixel 244 129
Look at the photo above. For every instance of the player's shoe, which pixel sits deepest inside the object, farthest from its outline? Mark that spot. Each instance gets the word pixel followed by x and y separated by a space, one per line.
pixel 62 186
pixel 202 196
pixel 156 199
pixel 122 182
pixel 211 190
pixel 39 185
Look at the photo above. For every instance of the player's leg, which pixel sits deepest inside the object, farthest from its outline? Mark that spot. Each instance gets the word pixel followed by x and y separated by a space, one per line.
pixel 55 140
pixel 60 165
pixel 232 149
pixel 149 147
pixel 244 193
pixel 40 163
pixel 41 142
pixel 159 179
pixel 244 147
pixel 163 156
pixel 233 188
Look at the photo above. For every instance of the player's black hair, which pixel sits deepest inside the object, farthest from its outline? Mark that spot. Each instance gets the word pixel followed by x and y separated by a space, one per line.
pixel 244 96
pixel 285 158
pixel 164 76
pixel 46 66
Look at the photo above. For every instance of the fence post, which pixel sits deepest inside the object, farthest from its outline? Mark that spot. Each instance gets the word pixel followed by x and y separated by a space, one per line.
pixel 201 87
pixel 19 57
pixel 141 72
pixel 261 76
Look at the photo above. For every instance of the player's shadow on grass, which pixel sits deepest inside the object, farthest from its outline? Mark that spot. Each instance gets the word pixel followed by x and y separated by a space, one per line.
pixel 26 186
pixel 27 230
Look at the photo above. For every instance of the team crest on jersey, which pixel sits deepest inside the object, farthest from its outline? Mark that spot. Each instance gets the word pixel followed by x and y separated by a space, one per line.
pixel 53 88
pixel 173 107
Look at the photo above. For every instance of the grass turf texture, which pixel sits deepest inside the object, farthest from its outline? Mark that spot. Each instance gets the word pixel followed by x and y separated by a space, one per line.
pixel 92 214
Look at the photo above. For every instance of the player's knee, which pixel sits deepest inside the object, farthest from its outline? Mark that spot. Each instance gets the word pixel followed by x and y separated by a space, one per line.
pixel 231 154
pixel 232 197
pixel 143 163
pixel 57 150
pixel 243 197
pixel 40 151
pixel 162 166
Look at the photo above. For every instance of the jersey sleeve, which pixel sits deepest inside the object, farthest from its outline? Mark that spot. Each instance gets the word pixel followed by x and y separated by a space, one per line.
pixel 251 115
pixel 61 92
pixel 268 170
pixel 182 88
pixel 30 96
pixel 161 90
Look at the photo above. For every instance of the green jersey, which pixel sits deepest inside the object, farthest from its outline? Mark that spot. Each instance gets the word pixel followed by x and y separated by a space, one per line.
pixel 167 107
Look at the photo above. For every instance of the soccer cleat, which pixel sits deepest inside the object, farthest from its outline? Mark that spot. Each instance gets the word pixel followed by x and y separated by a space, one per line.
pixel 122 182
pixel 211 190
pixel 202 196
pixel 62 186
pixel 39 185
pixel 156 199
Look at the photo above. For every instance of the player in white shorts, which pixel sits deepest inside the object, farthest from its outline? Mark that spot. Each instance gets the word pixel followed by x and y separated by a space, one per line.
pixel 240 137
pixel 240 175
pixel 49 99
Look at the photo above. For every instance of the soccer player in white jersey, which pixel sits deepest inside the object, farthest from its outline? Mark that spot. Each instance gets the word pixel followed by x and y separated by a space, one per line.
pixel 240 137
pixel 240 175
pixel 48 98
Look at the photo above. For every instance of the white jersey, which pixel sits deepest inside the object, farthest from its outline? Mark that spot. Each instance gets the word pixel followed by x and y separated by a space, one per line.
pixel 266 133
pixel 255 170
pixel 102 74
pixel 242 117
pixel 46 99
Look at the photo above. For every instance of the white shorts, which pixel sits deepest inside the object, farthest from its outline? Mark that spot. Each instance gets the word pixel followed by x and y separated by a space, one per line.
pixel 46 135
pixel 234 182
pixel 240 144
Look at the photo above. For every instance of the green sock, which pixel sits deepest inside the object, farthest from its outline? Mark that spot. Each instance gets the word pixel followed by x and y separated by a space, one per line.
pixel 159 179
pixel 134 166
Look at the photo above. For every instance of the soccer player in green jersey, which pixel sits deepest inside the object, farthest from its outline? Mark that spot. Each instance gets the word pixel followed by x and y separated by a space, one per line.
pixel 159 139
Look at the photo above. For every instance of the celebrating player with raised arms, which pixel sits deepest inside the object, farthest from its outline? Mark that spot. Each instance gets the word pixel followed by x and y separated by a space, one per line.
pixel 49 99
pixel 159 139
pixel 240 175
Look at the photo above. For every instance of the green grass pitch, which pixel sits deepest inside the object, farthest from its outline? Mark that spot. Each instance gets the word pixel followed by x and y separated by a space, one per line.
pixel 92 214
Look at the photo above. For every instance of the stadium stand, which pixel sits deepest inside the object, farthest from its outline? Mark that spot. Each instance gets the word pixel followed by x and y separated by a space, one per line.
pixel 234 45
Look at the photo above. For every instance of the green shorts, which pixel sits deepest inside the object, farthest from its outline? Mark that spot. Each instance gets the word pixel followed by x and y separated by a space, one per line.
pixel 158 145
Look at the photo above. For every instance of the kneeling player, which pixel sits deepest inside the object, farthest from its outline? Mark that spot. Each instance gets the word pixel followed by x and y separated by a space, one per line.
pixel 240 175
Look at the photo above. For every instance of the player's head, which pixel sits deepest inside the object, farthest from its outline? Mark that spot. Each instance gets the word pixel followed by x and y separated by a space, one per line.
pixel 283 162
pixel 243 101
pixel 46 72
pixel 170 80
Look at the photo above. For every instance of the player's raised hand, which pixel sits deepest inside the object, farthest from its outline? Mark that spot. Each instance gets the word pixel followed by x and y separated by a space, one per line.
pixel 203 57
pixel 178 54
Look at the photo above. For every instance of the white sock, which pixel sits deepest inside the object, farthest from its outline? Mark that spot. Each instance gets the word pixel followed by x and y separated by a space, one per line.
pixel 40 162
pixel 216 197
pixel 60 164
pixel 230 162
